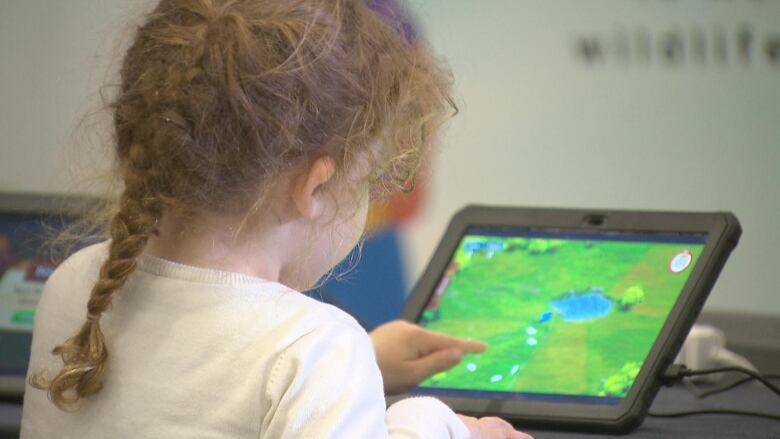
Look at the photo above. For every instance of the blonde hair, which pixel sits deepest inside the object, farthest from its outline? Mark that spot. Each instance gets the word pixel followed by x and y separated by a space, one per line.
pixel 219 96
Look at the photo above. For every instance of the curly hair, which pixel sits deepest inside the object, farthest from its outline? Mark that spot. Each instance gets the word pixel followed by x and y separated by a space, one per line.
pixel 219 96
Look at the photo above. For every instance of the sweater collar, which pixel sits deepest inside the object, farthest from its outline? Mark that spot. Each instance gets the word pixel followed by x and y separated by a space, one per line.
pixel 165 268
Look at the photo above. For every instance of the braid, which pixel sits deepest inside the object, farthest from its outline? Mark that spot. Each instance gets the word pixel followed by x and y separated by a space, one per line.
pixel 85 355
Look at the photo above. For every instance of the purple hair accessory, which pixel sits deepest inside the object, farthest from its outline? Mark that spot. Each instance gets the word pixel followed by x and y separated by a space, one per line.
pixel 397 16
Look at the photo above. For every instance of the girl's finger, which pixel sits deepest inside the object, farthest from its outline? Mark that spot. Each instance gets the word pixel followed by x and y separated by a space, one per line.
pixel 437 341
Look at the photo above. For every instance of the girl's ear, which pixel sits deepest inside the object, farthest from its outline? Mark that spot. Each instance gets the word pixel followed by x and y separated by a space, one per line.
pixel 305 191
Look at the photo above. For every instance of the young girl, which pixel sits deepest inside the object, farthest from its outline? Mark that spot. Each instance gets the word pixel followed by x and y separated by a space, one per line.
pixel 249 135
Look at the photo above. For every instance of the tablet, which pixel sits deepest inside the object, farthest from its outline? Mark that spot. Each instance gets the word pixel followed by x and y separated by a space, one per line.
pixel 582 310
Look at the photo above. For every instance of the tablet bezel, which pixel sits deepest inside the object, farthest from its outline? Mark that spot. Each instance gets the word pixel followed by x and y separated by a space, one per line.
pixel 722 230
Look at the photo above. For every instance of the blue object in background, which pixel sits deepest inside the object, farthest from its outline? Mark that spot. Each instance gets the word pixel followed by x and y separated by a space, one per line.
pixel 374 291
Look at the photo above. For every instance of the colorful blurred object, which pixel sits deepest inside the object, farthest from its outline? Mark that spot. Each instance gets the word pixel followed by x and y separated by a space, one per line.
pixel 397 210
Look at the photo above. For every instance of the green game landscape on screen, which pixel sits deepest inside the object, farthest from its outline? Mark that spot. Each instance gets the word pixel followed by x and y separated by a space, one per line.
pixel 561 317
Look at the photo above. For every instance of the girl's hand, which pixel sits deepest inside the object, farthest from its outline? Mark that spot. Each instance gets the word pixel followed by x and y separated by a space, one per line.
pixel 407 354
pixel 491 428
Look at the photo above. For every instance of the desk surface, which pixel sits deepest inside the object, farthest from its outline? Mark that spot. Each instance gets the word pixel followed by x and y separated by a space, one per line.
pixel 749 396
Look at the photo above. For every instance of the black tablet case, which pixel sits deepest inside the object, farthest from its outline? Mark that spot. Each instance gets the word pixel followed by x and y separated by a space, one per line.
pixel 723 232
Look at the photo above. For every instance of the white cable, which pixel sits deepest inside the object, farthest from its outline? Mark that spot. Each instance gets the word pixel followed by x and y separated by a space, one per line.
pixel 705 348
pixel 725 357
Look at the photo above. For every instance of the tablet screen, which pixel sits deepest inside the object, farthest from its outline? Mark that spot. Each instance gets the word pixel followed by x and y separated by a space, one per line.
pixel 568 316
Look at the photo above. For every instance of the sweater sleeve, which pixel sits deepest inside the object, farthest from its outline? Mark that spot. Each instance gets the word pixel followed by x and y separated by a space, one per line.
pixel 327 385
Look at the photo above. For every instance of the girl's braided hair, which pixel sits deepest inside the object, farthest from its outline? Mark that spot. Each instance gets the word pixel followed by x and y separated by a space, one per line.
pixel 219 96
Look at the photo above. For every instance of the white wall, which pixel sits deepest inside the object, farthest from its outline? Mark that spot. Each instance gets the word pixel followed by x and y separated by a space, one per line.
pixel 54 58
pixel 541 127
pixel 538 126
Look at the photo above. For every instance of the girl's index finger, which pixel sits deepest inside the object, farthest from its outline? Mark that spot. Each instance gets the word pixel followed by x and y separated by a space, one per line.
pixel 471 346
pixel 436 341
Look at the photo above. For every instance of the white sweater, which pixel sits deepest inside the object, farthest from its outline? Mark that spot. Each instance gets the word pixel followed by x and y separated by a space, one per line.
pixel 209 354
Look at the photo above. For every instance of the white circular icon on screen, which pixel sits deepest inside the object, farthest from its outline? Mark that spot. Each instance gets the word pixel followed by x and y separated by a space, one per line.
pixel 681 261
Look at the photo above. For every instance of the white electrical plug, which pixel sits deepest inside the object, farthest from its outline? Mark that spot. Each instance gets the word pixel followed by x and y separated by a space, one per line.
pixel 705 348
